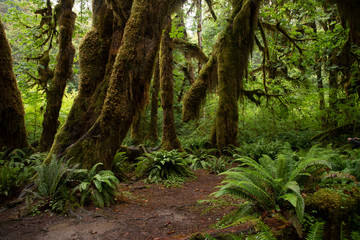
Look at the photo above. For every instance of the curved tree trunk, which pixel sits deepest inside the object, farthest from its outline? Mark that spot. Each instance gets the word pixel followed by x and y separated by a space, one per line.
pixel 128 85
pixel 62 73
pixel 97 56
pixel 169 140
pixel 12 124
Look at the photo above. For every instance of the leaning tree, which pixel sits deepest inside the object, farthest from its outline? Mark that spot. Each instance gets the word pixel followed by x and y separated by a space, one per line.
pixel 12 124
pixel 116 62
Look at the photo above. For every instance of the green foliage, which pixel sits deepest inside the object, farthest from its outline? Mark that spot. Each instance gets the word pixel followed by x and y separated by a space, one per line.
pixel 120 167
pixel 273 184
pixel 97 186
pixel 52 185
pixel 316 231
pixel 258 149
pixel 16 170
pixel 162 165
pixel 52 178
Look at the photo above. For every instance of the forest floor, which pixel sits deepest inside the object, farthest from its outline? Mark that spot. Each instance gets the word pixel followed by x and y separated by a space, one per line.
pixel 151 212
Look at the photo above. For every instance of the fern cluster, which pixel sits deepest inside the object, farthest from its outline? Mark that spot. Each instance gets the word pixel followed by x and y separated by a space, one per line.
pixel 99 187
pixel 162 165
pixel 16 169
pixel 58 184
pixel 273 184
pixel 257 149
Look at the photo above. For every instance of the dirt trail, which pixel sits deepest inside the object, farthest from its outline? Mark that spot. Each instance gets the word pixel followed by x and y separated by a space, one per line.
pixel 153 212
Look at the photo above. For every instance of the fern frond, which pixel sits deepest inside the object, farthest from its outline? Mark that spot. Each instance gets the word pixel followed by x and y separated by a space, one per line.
pixel 316 231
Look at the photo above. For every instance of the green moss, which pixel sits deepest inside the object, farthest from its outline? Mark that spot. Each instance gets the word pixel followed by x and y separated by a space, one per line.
pixel 12 126
pixel 194 98
pixel 333 203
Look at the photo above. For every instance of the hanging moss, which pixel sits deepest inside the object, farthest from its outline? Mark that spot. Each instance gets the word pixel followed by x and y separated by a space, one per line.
pixel 12 125
pixel 233 49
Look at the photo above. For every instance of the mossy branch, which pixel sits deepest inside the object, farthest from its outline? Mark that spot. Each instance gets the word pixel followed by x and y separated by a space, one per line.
pixel 349 128
pixel 277 27
pixel 255 95
pixel 192 50
pixel 197 93
pixel 209 3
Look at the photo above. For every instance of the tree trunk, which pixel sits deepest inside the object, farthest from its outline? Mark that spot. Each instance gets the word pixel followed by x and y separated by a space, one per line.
pixel 349 12
pixel 136 134
pixel 128 85
pixel 234 48
pixel 333 98
pixel 12 124
pixel 62 73
pixel 169 139
pixel 230 58
pixel 199 27
pixel 153 129
pixel 97 56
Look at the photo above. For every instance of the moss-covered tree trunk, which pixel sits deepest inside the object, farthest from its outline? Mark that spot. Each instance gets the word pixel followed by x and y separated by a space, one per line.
pixel 128 85
pixel 333 96
pixel 136 133
pixel 235 46
pixel 230 58
pixel 12 124
pixel 169 139
pixel 62 73
pixel 97 53
pixel 349 12
pixel 153 127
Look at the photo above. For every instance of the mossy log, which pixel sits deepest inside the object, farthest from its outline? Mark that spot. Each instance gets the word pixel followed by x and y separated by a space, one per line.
pixel 12 124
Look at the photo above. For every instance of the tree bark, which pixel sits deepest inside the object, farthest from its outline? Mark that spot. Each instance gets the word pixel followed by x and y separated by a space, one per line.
pixel 128 85
pixel 153 127
pixel 136 133
pixel 349 13
pixel 62 73
pixel 230 58
pixel 169 139
pixel 97 54
pixel 12 123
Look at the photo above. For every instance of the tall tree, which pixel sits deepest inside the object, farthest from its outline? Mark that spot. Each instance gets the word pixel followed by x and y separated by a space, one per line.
pixel 169 139
pixel 97 54
pixel 12 124
pixel 63 70
pixel 129 81
pixel 230 59
pixel 153 129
